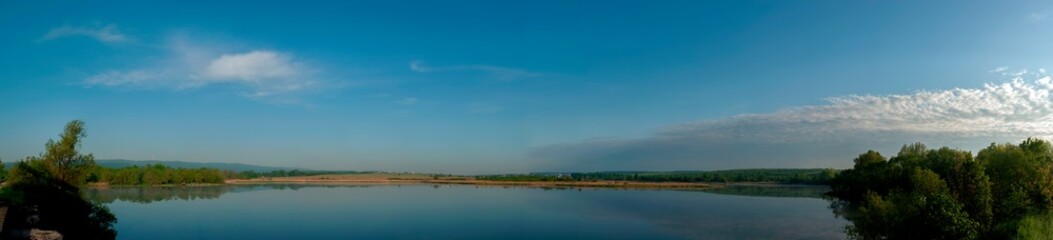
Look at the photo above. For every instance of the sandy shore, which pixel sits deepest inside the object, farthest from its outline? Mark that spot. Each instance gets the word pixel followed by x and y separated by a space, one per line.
pixel 425 179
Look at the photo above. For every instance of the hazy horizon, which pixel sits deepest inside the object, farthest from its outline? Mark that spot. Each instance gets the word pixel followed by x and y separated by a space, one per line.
pixel 473 87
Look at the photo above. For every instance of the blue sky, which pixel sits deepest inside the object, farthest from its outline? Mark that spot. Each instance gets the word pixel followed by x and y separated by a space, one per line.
pixel 503 86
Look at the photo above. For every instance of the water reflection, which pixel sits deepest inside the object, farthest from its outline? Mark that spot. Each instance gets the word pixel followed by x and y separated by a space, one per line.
pixel 787 191
pixel 461 211
pixel 767 213
pixel 38 201
pixel 153 194
pixel 148 194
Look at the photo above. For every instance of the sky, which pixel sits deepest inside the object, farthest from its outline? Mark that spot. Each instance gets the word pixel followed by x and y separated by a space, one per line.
pixel 476 87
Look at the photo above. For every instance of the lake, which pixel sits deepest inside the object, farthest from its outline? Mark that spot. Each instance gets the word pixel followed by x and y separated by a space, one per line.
pixel 466 211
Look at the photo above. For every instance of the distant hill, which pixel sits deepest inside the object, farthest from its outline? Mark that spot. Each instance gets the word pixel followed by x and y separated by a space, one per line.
pixel 237 167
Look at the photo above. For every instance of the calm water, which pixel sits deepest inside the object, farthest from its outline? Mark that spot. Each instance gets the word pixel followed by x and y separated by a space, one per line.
pixel 462 211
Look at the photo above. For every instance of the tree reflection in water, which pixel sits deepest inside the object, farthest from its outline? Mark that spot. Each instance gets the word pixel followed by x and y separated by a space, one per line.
pixel 149 194
pixel 45 203
pixel 788 191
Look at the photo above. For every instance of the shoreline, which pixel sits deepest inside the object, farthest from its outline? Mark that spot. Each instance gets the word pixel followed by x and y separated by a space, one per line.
pixel 541 184
pixel 396 181
pixel 407 179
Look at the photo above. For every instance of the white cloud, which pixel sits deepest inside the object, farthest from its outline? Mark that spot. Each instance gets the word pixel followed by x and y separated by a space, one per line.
pixel 499 73
pixel 1015 107
pixel 107 33
pixel 251 66
pixel 259 74
pixel 822 135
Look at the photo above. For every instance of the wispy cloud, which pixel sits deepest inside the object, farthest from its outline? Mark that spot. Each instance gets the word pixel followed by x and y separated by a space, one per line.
pixel 822 135
pixel 499 73
pixel 115 78
pixel 999 69
pixel 1039 16
pixel 407 101
pixel 105 33
pixel 379 95
pixel 262 74
pixel 484 108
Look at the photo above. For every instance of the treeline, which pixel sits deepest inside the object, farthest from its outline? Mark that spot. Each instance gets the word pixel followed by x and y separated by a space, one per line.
pixel 286 173
pixel 156 174
pixel 795 176
pixel 526 178
pixel 948 193
pixel 792 176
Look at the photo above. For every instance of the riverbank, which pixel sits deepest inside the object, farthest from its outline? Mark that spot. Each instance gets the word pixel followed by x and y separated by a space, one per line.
pixel 426 179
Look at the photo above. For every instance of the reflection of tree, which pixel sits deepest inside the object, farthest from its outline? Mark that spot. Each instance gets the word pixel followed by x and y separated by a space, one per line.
pixel 695 214
pixel 149 194
pixel 153 194
pixel 46 203
pixel 792 191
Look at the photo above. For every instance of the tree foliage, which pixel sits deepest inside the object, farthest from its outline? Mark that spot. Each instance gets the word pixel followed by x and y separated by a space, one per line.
pixel 44 191
pixel 3 172
pixel 61 160
pixel 286 173
pixel 946 193
pixel 155 174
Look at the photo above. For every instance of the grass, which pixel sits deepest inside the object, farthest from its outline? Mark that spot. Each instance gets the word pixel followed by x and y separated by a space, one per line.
pixel 1038 226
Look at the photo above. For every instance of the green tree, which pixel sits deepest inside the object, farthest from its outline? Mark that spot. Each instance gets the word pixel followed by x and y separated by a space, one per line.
pixel 61 160
pixel 47 187
pixel 910 156
pixel 947 193
pixel 926 211
pixel 3 172
pixel 872 173
pixel 870 159
pixel 974 191
pixel 1024 173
